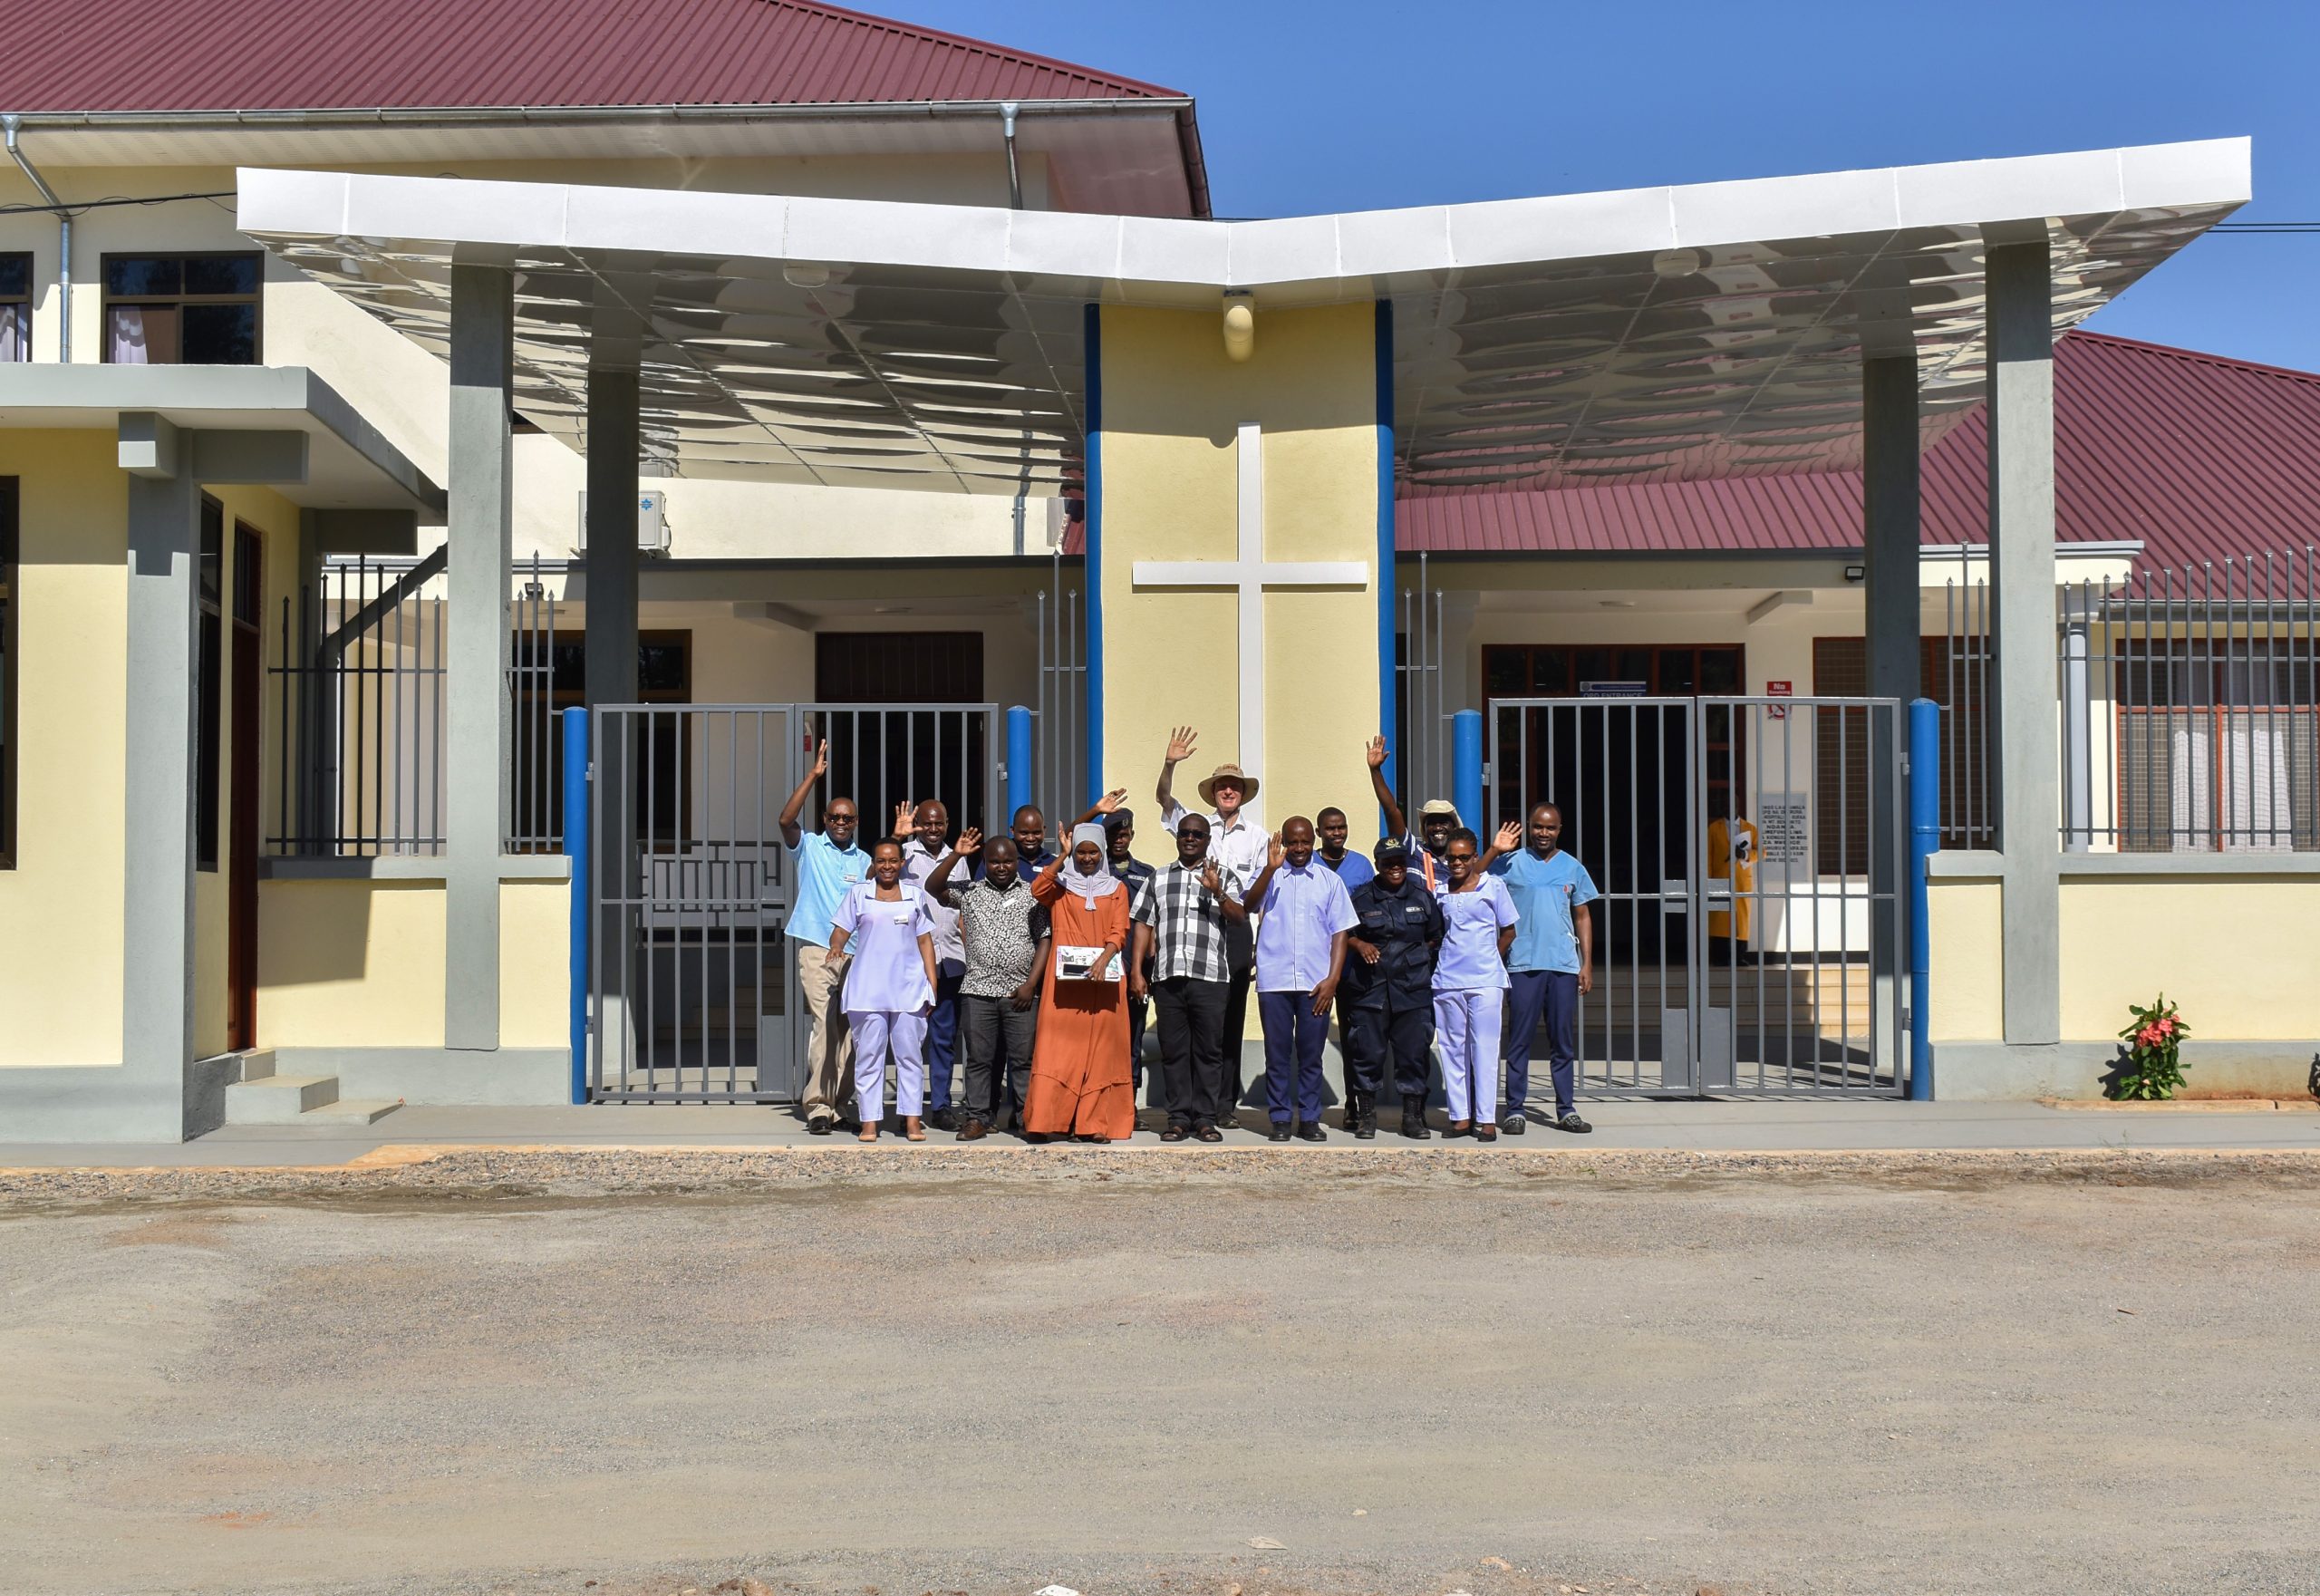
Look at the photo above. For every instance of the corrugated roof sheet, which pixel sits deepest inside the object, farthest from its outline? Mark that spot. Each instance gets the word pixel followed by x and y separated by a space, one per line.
pixel 2199 456
pixel 154 55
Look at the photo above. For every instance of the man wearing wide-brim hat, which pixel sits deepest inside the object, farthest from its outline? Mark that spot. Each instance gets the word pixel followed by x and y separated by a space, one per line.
pixel 1242 848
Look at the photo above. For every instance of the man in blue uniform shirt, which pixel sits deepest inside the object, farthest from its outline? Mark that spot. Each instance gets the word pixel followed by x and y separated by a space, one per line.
pixel 1550 965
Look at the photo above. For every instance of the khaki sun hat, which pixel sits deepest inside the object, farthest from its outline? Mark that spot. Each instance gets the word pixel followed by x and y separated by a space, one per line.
pixel 1208 788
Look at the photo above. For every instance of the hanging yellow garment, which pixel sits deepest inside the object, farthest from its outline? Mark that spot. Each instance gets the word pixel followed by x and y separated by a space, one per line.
pixel 1731 856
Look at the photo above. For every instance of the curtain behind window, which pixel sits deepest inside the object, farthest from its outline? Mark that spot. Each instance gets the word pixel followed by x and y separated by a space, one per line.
pixel 125 335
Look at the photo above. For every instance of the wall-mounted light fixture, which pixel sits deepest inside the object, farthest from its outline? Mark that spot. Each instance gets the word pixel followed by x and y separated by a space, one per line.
pixel 1240 323
pixel 1856 573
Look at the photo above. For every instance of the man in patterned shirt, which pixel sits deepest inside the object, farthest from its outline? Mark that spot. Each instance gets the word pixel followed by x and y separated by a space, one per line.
pixel 1187 910
pixel 1006 936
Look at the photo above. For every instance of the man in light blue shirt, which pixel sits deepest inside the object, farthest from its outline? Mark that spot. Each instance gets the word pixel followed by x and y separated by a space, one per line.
pixel 1300 950
pixel 828 865
pixel 1550 965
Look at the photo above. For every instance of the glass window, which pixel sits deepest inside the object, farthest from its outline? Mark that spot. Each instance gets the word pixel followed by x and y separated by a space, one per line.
pixel 182 309
pixel 15 307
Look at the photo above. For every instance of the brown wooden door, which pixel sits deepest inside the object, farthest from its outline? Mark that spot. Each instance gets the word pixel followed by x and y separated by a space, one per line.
pixel 248 667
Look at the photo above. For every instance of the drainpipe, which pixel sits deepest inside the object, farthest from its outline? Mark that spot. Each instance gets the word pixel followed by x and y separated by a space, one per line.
pixel 64 236
pixel 1007 110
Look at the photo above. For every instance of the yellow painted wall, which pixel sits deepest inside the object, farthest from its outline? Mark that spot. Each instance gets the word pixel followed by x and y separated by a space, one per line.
pixel 1171 405
pixel 351 963
pixel 534 963
pixel 2237 953
pixel 60 907
pixel 1968 960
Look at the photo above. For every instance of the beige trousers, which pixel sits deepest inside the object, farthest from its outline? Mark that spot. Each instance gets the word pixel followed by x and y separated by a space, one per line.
pixel 829 1044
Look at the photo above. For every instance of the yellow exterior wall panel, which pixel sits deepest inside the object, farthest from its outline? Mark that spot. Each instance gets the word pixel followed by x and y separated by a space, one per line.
pixel 351 963
pixel 61 907
pixel 1967 960
pixel 534 963
pixel 2235 952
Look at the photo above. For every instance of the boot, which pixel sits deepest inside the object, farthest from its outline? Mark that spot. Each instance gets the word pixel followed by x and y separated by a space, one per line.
pixel 1413 1120
pixel 1361 1114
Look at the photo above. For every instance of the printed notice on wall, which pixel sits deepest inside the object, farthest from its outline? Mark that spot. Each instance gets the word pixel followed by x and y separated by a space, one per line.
pixel 1784 829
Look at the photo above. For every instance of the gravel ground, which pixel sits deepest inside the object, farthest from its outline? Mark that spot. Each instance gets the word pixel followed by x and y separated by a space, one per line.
pixel 631 1373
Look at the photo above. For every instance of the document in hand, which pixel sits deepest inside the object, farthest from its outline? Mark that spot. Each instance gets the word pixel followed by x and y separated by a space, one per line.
pixel 1076 963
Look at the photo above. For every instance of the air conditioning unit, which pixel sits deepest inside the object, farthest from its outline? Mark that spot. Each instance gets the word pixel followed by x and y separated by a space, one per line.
pixel 652 521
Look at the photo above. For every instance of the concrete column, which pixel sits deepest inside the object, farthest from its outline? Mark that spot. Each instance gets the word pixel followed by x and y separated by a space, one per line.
pixel 157 949
pixel 476 771
pixel 1889 427
pixel 2025 752
pixel 611 667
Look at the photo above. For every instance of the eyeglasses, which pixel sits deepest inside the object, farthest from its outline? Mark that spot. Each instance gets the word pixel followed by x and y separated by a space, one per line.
pixel 1456 857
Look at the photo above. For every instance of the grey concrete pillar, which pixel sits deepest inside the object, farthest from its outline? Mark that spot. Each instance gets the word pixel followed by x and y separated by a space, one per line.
pixel 158 850
pixel 611 674
pixel 1889 425
pixel 2024 753
pixel 476 651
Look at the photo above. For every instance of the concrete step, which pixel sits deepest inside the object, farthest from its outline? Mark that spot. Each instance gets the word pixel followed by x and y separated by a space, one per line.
pixel 351 1111
pixel 278 1099
pixel 257 1063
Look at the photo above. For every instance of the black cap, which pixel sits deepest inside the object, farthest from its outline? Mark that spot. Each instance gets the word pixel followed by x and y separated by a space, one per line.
pixel 1392 851
pixel 1119 820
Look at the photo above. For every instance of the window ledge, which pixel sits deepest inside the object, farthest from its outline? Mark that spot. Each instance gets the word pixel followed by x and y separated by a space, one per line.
pixel 408 867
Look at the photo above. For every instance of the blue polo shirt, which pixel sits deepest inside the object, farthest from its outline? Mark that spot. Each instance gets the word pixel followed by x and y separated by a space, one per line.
pixel 825 873
pixel 1544 891
pixel 1353 869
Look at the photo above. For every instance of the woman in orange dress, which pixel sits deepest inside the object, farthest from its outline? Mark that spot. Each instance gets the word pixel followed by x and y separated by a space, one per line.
pixel 1080 1075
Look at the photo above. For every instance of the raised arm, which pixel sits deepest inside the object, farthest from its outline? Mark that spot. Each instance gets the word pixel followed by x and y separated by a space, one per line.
pixel 1181 743
pixel 1508 838
pixel 792 833
pixel 1396 823
pixel 1214 879
pixel 1252 901
pixel 969 843
pixel 1104 805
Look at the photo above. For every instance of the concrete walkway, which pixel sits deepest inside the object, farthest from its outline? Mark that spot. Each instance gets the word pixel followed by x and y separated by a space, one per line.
pixel 1736 1127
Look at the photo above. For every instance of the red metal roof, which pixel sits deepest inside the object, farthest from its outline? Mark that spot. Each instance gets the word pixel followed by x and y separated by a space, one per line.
pixel 160 55
pixel 2198 456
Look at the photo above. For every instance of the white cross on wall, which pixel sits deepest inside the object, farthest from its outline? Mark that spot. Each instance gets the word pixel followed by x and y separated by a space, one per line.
pixel 1248 575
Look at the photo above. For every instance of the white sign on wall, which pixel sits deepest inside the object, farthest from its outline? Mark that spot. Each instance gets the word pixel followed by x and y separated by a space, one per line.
pixel 1784 829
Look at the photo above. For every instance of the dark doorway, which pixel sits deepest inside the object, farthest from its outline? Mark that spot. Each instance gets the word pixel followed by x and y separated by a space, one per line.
pixel 544 688
pixel 898 667
pixel 247 665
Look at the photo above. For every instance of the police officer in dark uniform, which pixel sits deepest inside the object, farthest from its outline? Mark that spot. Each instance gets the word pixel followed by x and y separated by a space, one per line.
pixel 1388 988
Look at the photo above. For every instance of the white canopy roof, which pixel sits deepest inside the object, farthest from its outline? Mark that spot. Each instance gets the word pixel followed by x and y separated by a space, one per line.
pixel 1708 330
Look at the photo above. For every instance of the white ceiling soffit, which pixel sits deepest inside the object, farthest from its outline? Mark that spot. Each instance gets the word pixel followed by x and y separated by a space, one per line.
pixel 1646 334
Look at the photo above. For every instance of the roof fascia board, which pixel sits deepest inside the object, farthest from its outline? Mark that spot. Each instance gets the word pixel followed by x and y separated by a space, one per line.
pixel 554 115
pixel 1305 257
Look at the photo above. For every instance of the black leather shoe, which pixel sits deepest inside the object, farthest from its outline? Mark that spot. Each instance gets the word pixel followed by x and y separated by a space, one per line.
pixel 1414 1125
pixel 1514 1123
pixel 1207 1133
pixel 1485 1132
pixel 820 1127
pixel 944 1119
pixel 1280 1131
pixel 1573 1123
pixel 1310 1131
pixel 1174 1133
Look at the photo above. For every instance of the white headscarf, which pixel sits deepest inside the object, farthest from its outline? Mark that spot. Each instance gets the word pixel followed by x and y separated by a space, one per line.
pixel 1089 888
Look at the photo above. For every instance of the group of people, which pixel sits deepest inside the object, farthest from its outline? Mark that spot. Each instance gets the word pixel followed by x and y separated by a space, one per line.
pixel 1043 968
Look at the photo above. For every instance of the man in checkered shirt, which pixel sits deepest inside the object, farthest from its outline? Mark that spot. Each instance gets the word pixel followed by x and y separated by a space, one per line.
pixel 1187 908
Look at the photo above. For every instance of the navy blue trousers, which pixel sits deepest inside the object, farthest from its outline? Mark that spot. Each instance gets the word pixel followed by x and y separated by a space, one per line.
pixel 943 1034
pixel 1293 1038
pixel 1553 995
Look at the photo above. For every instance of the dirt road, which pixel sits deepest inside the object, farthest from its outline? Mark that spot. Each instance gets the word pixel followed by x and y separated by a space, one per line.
pixel 1411 1376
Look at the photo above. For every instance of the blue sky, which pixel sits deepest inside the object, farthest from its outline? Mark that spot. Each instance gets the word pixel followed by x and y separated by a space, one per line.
pixel 1307 107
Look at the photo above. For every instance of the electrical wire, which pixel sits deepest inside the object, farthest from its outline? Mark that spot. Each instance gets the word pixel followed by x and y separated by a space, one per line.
pixel 78 205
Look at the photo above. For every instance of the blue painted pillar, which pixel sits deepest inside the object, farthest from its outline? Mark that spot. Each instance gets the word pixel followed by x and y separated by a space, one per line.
pixel 1019 769
pixel 1925 841
pixel 575 850
pixel 1467 770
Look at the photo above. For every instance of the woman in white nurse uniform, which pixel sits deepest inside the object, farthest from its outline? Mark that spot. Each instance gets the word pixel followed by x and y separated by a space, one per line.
pixel 884 932
pixel 1478 922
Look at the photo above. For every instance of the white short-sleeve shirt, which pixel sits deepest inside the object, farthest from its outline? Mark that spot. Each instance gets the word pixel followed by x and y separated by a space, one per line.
pixel 882 934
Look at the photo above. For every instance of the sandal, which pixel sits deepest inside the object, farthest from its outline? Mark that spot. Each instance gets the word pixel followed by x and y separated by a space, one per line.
pixel 911 1129
pixel 868 1133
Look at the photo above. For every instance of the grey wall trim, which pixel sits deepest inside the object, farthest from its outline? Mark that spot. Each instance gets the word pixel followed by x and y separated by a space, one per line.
pixel 351 531
pixel 157 934
pixel 2193 866
pixel 1998 1071
pixel 98 1103
pixel 476 774
pixel 1966 865
pixel 46 393
pixel 274 458
pixel 437 1075
pixel 2026 754
pixel 511 867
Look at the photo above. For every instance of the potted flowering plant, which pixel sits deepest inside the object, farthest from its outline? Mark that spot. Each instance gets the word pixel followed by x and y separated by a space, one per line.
pixel 2152 1070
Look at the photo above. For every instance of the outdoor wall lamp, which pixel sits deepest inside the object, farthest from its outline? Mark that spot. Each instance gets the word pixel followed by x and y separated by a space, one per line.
pixel 1240 324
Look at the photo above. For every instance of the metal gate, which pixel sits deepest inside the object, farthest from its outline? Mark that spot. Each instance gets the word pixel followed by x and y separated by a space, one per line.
pixel 691 973
pixel 1749 938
